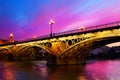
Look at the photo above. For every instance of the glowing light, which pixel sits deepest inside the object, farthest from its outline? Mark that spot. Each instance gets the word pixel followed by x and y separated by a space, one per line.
pixel 51 22
pixel 11 35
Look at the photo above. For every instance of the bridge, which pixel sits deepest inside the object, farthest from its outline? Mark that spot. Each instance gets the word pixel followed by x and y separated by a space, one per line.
pixel 65 48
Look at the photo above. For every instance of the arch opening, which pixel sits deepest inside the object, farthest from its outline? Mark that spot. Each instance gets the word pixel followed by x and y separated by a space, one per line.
pixel 36 53
pixel 109 51
pixel 5 55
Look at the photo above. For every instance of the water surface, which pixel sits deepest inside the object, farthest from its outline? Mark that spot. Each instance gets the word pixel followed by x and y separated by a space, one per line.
pixel 34 70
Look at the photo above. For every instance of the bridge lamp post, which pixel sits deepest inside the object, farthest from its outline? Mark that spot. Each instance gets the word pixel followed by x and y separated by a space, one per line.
pixel 51 24
pixel 11 38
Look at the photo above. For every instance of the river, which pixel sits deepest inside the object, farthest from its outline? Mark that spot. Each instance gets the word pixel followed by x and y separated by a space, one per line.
pixel 34 70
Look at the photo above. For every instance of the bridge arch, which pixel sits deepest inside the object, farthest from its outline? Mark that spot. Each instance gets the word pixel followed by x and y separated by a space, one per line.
pixel 6 54
pixel 81 49
pixel 34 52
pixel 25 47
pixel 5 49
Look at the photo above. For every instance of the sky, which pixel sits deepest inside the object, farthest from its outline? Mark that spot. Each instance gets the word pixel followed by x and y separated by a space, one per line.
pixel 28 18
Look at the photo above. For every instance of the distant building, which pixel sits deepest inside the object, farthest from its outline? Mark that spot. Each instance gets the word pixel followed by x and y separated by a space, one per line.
pixel 103 49
pixel 3 41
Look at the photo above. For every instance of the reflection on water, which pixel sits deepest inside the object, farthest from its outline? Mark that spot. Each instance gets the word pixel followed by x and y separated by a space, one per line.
pixel 6 72
pixel 22 71
pixel 66 73
pixel 103 70
pixel 32 70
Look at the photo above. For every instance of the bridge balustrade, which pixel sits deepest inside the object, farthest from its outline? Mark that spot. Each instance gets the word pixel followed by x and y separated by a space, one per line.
pixel 103 26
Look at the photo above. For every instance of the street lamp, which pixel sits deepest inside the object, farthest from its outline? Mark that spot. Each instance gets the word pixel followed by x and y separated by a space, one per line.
pixel 11 38
pixel 51 23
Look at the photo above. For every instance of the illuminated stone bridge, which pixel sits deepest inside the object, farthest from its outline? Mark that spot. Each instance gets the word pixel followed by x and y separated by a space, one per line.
pixel 71 47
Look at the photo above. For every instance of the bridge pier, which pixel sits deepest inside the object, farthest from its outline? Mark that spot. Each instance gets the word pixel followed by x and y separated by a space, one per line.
pixel 68 61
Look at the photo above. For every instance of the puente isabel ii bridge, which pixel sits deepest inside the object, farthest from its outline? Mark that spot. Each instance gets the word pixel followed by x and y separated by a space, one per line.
pixel 71 47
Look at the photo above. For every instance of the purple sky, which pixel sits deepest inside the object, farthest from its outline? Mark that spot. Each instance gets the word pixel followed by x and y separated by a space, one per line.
pixel 28 18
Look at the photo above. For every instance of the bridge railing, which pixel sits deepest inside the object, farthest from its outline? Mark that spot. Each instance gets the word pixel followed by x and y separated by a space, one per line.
pixel 103 26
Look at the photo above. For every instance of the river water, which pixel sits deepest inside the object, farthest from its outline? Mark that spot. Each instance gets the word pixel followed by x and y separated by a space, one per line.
pixel 34 70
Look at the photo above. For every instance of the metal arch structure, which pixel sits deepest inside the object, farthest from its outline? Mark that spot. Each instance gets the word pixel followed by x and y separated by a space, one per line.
pixel 83 48
pixel 5 54
pixel 25 52
pixel 19 51
pixel 6 49
pixel 97 35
